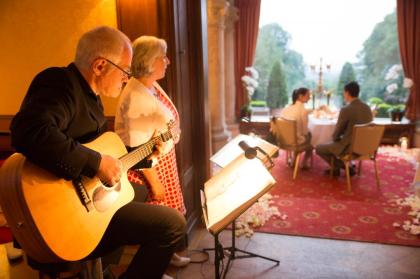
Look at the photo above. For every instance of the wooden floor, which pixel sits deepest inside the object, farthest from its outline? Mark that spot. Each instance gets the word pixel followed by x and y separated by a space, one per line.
pixel 301 257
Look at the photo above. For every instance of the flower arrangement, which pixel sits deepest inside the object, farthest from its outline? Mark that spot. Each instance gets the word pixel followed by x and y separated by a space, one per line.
pixel 396 90
pixel 395 94
pixel 394 74
pixel 250 81
pixel 250 84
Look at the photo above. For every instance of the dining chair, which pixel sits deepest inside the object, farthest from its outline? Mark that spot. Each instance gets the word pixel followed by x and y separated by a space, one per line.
pixel 285 133
pixel 363 146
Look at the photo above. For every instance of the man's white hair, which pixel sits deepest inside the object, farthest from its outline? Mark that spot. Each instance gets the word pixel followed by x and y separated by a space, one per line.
pixel 145 50
pixel 102 41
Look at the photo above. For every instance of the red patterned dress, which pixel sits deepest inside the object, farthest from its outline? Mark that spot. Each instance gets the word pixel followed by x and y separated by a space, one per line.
pixel 166 169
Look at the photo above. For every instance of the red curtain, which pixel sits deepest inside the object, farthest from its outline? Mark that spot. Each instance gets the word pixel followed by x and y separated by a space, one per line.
pixel 245 43
pixel 408 16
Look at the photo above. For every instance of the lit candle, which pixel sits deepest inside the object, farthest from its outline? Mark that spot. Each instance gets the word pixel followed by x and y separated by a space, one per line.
pixel 404 143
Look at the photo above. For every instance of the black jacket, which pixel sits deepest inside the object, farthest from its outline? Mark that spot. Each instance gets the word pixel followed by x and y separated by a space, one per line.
pixel 60 111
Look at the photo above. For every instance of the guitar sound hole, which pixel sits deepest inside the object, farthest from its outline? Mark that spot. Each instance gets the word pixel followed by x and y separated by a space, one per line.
pixel 105 196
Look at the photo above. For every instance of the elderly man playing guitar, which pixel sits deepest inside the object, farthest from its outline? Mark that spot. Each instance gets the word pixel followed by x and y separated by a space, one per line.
pixel 76 201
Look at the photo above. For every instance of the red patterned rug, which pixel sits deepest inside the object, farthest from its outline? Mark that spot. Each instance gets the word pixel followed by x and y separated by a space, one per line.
pixel 319 206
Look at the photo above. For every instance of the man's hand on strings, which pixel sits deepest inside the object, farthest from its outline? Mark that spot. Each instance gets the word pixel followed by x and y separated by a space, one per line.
pixel 158 149
pixel 110 170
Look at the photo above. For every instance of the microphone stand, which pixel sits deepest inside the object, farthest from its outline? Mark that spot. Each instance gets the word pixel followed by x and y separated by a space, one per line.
pixel 269 160
pixel 231 252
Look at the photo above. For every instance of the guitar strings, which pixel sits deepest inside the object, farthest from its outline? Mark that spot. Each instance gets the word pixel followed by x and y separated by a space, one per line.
pixel 130 159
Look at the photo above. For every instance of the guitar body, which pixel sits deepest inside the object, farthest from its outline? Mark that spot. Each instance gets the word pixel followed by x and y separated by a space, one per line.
pixel 47 216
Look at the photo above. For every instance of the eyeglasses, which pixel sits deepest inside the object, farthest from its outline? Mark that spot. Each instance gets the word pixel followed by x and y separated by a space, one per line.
pixel 127 73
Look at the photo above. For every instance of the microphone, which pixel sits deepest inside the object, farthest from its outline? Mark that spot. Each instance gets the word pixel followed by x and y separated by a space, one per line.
pixel 250 152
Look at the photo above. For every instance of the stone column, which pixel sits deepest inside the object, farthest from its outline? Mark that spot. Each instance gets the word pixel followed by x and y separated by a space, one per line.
pixel 230 92
pixel 216 11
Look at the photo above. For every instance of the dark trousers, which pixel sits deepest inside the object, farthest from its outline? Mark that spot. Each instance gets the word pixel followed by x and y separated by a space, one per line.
pixel 158 229
pixel 326 152
pixel 114 257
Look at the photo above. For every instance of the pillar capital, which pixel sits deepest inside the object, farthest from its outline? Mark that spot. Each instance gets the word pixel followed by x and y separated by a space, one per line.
pixel 231 16
pixel 216 13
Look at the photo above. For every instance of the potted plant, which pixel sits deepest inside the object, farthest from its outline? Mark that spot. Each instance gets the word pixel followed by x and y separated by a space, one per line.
pixel 246 112
pixel 396 91
pixel 397 112
pixel 383 110
pixel 250 84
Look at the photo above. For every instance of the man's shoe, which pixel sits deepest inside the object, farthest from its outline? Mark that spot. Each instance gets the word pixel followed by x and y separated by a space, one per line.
pixel 305 167
pixel 13 253
pixel 336 172
pixel 179 261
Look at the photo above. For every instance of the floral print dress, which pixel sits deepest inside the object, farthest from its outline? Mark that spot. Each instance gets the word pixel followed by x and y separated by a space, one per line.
pixel 166 168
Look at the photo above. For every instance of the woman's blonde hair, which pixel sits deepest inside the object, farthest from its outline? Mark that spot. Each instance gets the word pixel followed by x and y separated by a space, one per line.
pixel 145 50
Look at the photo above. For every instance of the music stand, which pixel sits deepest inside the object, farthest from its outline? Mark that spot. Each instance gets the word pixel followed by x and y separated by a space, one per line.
pixel 221 194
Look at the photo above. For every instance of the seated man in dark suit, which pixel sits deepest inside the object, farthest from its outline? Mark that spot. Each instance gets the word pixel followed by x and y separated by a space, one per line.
pixel 355 112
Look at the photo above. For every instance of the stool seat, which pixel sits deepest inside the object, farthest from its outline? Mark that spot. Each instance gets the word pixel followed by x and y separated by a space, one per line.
pixel 84 269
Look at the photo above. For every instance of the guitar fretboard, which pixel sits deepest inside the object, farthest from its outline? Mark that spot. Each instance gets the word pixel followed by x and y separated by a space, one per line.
pixel 143 151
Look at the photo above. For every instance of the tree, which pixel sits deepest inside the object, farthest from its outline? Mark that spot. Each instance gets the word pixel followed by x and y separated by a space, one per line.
pixel 294 68
pixel 277 87
pixel 380 51
pixel 347 75
pixel 272 45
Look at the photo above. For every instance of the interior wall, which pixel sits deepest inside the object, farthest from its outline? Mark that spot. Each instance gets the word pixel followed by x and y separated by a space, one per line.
pixel 38 34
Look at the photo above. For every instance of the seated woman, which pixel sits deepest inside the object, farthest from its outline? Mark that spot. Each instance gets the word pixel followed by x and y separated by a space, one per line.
pixel 297 111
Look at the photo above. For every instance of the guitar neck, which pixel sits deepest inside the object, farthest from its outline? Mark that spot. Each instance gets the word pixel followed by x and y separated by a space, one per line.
pixel 143 151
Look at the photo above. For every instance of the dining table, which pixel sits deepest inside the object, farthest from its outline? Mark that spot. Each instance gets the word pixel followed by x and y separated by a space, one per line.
pixel 321 129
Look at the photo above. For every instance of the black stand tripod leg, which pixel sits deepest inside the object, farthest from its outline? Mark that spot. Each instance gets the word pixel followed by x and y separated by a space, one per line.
pixel 218 255
pixel 233 249
pixel 252 255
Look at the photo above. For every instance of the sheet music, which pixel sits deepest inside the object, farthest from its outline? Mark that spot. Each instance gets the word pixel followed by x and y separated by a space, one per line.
pixel 234 188
pixel 204 207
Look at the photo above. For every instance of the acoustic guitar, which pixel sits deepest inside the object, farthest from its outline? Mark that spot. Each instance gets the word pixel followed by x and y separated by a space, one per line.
pixel 59 220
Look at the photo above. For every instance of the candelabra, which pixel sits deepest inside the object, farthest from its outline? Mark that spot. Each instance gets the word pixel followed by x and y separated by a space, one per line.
pixel 320 90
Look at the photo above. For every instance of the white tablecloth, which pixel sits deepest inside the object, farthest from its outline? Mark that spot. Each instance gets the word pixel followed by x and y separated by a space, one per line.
pixel 321 130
